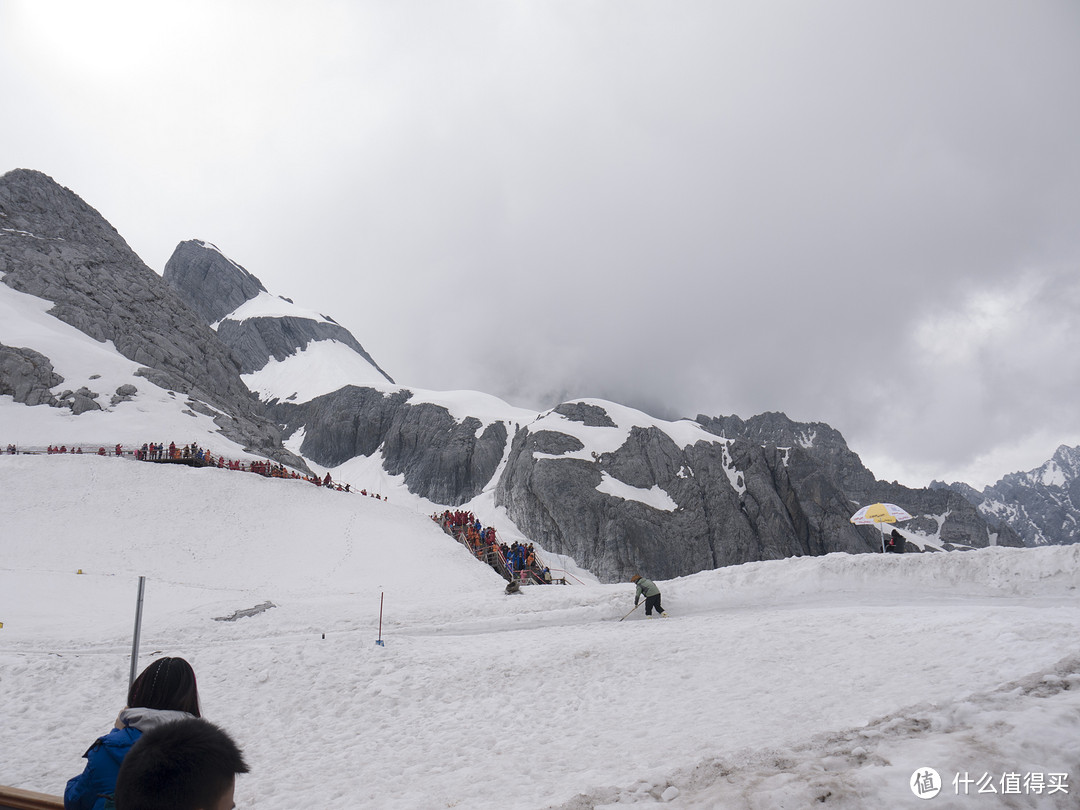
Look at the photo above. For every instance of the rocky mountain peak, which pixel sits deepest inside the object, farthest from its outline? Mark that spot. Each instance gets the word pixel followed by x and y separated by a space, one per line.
pixel 216 287
pixel 56 247
pixel 818 441
pixel 1068 460
pixel 776 429
pixel 212 284
pixel 586 413
pixel 32 204
pixel 1041 505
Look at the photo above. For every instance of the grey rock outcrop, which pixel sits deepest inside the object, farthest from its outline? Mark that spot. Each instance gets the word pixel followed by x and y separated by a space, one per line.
pixel 81 401
pixel 124 393
pixel 948 514
pixel 829 479
pixel 1041 505
pixel 212 284
pixel 441 459
pixel 731 502
pixel 821 446
pixel 587 413
pixel 56 247
pixel 215 286
pixel 772 488
pixel 254 341
pixel 27 376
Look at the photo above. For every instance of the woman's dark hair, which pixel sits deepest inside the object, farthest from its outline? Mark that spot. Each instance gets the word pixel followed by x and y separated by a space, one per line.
pixel 168 683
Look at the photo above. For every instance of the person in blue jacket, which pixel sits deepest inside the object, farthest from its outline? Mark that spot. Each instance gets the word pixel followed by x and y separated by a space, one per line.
pixel 165 691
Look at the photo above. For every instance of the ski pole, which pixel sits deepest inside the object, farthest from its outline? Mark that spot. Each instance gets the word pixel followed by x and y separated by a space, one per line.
pixel 634 608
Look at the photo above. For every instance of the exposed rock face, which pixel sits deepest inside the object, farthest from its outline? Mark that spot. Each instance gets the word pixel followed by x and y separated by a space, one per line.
pixel 772 488
pixel 440 458
pixel 212 284
pixel 27 376
pixel 829 454
pixel 254 341
pixel 730 502
pixel 958 523
pixel 1042 505
pixel 831 483
pixel 215 286
pixel 586 413
pixel 80 401
pixel 54 246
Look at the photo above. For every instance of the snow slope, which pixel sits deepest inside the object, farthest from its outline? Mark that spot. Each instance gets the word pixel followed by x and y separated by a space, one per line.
pixel 792 683
pixel 608 439
pixel 321 368
pixel 265 305
pixel 153 414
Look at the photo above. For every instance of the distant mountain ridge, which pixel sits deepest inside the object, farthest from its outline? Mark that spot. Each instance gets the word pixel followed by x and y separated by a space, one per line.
pixel 614 488
pixel 1041 505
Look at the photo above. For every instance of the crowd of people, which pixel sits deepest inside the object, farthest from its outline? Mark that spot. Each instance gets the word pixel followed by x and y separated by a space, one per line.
pixel 200 457
pixel 516 560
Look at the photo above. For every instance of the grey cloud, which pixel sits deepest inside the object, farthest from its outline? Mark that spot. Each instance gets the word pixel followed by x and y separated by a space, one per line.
pixel 690 208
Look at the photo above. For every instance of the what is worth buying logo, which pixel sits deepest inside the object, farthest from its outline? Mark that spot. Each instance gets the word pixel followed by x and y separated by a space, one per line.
pixel 925 783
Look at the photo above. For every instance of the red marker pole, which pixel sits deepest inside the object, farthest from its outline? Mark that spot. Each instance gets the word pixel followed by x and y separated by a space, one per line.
pixel 379 641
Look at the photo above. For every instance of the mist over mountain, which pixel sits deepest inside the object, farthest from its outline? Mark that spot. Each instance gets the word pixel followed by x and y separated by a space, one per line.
pixel 616 489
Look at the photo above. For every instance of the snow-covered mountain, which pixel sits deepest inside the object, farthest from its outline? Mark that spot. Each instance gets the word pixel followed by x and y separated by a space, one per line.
pixel 92 339
pixel 818 681
pixel 285 352
pixel 1042 505
pixel 628 491
pixel 609 486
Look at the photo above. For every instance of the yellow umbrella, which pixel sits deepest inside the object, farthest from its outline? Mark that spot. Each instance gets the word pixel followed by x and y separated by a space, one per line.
pixel 880 513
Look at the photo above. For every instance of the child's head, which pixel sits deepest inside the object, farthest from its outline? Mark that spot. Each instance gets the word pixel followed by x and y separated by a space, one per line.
pixel 186 765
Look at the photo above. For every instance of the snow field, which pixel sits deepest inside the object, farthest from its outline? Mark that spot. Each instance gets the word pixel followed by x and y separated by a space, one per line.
pixel 771 684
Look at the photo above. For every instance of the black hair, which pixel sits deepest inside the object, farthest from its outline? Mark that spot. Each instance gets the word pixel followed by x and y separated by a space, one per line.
pixel 168 683
pixel 185 765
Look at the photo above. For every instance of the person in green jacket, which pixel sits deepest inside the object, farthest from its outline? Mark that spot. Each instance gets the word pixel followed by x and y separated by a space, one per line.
pixel 648 589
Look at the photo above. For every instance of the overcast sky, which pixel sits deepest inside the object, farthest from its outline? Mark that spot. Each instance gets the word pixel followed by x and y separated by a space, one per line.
pixel 862 213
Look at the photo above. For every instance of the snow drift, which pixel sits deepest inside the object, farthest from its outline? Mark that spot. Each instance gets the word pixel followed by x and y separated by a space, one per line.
pixel 774 684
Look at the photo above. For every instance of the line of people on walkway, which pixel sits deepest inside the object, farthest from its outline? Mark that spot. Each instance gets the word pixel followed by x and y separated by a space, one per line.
pixel 198 456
